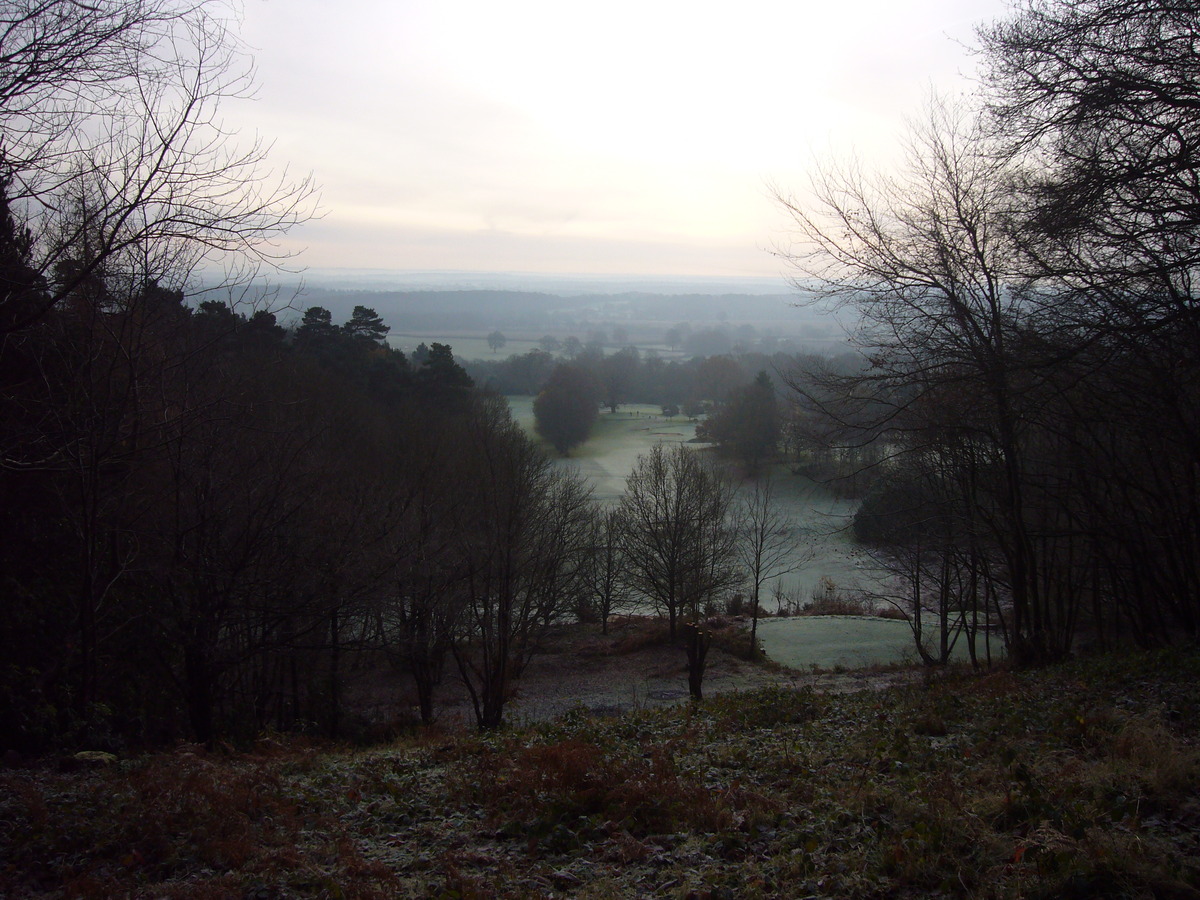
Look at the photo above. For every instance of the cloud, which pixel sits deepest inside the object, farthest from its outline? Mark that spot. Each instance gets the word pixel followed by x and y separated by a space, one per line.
pixel 542 127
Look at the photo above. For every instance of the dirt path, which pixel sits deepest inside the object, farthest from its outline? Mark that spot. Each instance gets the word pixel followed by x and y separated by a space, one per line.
pixel 627 669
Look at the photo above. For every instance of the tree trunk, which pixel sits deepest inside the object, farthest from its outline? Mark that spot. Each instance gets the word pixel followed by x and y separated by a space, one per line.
pixel 198 681
pixel 696 640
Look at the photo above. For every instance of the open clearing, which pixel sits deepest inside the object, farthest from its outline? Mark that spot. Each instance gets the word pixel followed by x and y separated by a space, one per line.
pixel 821 521
pixel 845 642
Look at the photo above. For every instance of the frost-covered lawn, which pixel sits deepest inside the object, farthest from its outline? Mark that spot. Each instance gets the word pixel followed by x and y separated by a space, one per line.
pixel 465 348
pixel 850 642
pixel 617 440
pixel 821 520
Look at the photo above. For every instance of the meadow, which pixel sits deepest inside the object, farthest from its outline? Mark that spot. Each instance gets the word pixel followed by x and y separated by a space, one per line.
pixel 829 560
pixel 465 346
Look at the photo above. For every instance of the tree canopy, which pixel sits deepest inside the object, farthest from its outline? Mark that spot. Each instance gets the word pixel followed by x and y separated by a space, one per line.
pixel 1025 287
pixel 567 407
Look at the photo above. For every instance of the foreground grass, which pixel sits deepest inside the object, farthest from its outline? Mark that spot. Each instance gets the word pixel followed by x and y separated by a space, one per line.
pixel 1079 781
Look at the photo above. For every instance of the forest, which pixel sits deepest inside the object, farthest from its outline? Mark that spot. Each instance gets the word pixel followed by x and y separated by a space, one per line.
pixel 1025 287
pixel 199 499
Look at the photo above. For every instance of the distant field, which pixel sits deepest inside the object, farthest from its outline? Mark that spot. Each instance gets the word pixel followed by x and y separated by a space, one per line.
pixel 616 442
pixel 847 641
pixel 475 346
pixel 821 525
pixel 821 521
pixel 464 347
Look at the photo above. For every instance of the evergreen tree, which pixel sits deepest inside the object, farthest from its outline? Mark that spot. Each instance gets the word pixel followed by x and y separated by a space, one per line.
pixel 365 325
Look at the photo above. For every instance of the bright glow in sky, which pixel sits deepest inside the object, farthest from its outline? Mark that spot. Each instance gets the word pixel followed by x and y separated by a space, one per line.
pixel 633 136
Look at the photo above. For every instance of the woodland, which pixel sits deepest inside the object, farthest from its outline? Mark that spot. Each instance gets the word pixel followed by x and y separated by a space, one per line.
pixel 199 499
pixel 209 519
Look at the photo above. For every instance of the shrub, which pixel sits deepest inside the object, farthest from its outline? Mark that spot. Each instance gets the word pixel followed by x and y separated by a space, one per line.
pixel 560 792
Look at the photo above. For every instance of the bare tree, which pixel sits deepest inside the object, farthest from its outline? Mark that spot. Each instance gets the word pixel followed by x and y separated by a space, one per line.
pixel 523 532
pixel 679 542
pixel 769 545
pixel 1095 103
pixel 113 155
pixel 921 258
pixel 604 586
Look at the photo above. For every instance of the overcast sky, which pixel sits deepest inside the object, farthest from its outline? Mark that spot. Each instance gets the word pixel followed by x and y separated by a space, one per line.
pixel 630 136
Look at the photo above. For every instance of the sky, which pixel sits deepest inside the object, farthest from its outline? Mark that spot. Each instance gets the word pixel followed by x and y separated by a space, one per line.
pixel 637 137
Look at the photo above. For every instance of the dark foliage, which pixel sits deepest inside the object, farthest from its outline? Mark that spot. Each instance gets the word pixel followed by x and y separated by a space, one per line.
pixel 567 407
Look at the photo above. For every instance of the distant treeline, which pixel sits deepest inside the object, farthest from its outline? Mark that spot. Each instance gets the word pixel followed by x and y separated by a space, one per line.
pixel 455 311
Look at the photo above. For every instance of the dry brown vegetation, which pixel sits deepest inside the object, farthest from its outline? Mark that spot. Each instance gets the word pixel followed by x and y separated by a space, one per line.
pixel 1076 781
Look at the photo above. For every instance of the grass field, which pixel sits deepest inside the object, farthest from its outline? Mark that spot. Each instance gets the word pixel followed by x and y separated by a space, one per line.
pixel 848 642
pixel 616 442
pixel 820 524
pixel 464 347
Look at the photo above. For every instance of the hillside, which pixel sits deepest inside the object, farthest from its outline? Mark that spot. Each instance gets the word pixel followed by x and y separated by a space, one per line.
pixel 1075 781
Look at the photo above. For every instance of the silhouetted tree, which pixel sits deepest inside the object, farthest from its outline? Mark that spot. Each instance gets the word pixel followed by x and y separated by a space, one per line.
pixel 769 544
pixel 604 588
pixel 366 326
pixel 441 379
pixel 316 328
pixel 679 542
pixel 747 426
pixel 109 115
pixel 567 407
pixel 922 260
pixel 523 530
pixel 619 374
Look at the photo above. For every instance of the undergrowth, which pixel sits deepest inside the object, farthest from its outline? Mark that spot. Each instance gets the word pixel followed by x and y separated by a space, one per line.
pixel 1075 781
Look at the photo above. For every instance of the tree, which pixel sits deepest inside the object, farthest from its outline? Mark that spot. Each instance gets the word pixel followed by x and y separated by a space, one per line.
pixel 1098 98
pixel 496 340
pixel 114 153
pixel 679 543
pixel 316 326
pixel 1095 104
pixel 567 407
pixel 23 289
pixel 747 426
pixel 117 184
pixel 619 373
pixel 718 376
pixel 366 326
pixel 768 545
pixel 708 342
pixel 441 379
pixel 523 529
pixel 605 590
pixel 921 258
pixel 420 617
pixel 917 523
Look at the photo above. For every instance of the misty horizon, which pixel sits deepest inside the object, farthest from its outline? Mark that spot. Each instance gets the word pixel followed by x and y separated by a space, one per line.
pixel 564 284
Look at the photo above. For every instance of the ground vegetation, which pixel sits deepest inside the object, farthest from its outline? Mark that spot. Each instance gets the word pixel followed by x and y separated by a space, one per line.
pixel 1076 780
